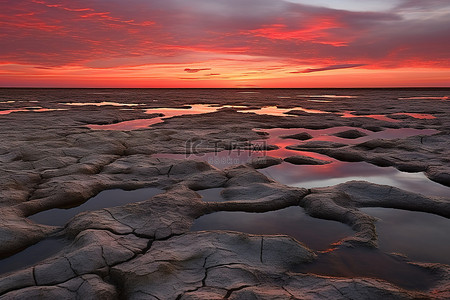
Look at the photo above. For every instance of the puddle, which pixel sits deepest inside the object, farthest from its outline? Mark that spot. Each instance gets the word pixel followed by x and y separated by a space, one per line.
pixel 9 111
pixel 275 135
pixel 417 116
pixel 108 198
pixel 329 96
pixel 33 254
pixel 275 111
pixel 227 158
pixel 194 109
pixel 190 109
pixel 29 109
pixel 341 172
pixel 421 236
pixel 317 234
pixel 348 114
pixel 127 125
pixel 212 195
pixel 424 98
pixel 372 263
pixel 104 103
pixel 315 100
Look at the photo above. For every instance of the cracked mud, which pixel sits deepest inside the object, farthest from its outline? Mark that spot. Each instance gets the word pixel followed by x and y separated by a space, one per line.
pixel 147 250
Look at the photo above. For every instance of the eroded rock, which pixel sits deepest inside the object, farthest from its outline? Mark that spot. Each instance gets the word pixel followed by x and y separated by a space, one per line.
pixel 350 134
pixel 264 162
pixel 305 160
pixel 302 136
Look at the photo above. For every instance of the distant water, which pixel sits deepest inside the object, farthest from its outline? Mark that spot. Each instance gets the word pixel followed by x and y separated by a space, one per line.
pixel 18 97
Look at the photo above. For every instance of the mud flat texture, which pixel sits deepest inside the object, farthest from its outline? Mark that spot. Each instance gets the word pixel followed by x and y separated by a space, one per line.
pixel 146 250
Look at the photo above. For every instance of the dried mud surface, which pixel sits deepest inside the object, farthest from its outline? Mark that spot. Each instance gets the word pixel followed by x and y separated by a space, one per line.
pixel 146 250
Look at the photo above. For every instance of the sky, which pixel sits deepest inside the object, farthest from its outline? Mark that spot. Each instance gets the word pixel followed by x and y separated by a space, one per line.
pixel 225 43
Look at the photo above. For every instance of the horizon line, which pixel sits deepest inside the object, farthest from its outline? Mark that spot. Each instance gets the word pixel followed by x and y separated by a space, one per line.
pixel 236 88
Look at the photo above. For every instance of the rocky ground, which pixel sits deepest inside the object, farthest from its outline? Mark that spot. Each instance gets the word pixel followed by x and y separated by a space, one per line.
pixel 146 250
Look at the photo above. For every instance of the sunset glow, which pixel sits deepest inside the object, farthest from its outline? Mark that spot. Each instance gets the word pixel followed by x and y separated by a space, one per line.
pixel 224 43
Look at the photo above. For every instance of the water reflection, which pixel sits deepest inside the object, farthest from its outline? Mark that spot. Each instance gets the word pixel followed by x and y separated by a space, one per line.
pixel 348 114
pixel 33 254
pixel 341 172
pixel 276 111
pixel 424 98
pixel 329 96
pixel 127 125
pixel 290 174
pixel 108 198
pixel 372 263
pixel 192 109
pixel 316 100
pixel 212 195
pixel 195 109
pixel 421 236
pixel 315 233
pixel 277 136
pixel 417 116
pixel 104 103
pixel 29 109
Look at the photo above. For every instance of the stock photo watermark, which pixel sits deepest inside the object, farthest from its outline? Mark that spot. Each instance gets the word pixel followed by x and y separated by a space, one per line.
pixel 230 153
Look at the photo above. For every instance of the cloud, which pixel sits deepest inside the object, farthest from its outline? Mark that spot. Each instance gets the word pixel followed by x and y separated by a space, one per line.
pixel 196 70
pixel 119 34
pixel 328 68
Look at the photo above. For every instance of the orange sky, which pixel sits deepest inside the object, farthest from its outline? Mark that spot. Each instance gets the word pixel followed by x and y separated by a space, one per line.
pixel 224 43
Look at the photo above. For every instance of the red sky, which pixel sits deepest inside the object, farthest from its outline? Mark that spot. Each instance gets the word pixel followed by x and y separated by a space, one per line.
pixel 224 43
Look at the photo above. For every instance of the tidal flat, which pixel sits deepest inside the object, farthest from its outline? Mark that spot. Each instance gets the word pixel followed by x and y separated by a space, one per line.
pixel 225 193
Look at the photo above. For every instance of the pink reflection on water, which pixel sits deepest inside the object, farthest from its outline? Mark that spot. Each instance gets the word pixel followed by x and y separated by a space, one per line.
pixel 194 109
pixel 417 116
pixel 348 114
pixel 275 111
pixel 127 125
pixel 104 103
pixel 329 96
pixel 226 158
pixel 7 112
pixel 424 98
pixel 327 135
pixel 29 109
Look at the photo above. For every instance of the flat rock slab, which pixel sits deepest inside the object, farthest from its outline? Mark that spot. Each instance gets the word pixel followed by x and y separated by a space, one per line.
pixel 264 162
pixel 350 134
pixel 302 136
pixel 305 160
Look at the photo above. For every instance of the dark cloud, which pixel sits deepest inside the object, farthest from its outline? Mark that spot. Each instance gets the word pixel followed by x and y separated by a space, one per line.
pixel 196 70
pixel 328 68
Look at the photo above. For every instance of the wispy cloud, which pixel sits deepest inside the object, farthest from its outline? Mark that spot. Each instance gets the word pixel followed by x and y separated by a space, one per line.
pixel 196 70
pixel 328 68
